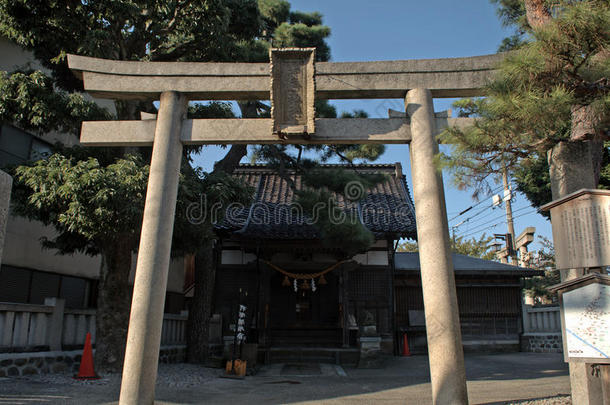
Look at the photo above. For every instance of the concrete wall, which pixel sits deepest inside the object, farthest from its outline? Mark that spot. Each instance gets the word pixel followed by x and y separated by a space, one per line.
pixel 23 249
pixel 13 57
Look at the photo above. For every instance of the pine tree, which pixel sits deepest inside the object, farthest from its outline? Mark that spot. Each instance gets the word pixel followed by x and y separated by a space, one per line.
pixel 551 93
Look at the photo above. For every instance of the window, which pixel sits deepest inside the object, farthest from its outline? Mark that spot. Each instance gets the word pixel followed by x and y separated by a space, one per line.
pixel 17 146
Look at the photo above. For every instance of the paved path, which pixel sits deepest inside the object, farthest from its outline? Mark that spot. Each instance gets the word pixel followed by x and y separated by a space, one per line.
pixel 405 380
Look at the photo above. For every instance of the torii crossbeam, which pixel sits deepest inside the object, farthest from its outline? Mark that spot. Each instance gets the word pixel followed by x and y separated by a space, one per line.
pixel 291 81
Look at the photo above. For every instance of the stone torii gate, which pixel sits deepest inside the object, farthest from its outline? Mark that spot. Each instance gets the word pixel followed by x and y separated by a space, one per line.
pixel 291 82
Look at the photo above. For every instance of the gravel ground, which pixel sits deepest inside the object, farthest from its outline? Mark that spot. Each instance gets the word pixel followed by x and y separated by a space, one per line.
pixel 557 400
pixel 170 376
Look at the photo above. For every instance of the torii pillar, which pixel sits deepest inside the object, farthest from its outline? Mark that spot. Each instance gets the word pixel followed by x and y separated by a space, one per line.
pixel 147 305
pixel 445 351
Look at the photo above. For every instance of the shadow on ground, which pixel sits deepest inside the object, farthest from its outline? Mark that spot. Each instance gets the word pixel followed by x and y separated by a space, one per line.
pixel 492 379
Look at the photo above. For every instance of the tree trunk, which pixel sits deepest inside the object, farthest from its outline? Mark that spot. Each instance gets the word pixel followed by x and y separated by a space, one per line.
pixel 113 303
pixel 537 13
pixel 205 267
pixel 201 305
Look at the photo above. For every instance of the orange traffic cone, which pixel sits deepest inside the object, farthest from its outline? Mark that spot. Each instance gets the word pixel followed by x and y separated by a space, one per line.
pixel 86 371
pixel 405 346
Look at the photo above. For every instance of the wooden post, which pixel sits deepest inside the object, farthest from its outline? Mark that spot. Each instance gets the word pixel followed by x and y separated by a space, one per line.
pixel 57 322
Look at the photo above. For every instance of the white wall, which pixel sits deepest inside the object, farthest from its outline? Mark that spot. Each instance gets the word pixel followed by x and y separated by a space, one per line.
pixel 22 244
pixel 22 248
pixel 13 57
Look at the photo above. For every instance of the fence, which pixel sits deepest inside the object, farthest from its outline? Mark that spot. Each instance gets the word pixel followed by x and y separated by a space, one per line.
pixel 541 319
pixel 26 327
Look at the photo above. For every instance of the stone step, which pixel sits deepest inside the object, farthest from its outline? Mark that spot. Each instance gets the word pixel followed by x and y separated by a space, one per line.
pixel 343 356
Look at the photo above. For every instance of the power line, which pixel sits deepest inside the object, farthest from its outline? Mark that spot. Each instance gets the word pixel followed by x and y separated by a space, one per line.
pixel 471 217
pixel 477 204
pixel 493 219
pixel 497 223
pixel 481 218
pixel 492 212
pixel 499 218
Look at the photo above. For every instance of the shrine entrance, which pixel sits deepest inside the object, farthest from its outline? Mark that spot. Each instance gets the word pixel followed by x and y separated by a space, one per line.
pixel 304 317
pixel 292 81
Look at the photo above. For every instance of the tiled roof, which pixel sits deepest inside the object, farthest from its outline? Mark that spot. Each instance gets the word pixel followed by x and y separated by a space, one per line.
pixel 462 264
pixel 386 209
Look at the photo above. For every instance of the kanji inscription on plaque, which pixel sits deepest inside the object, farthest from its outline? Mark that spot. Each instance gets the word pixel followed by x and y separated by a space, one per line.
pixel 581 229
pixel 292 90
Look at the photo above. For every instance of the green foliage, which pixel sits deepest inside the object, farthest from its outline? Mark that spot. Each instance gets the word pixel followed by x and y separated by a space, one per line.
pixel 309 19
pixel 529 107
pixel 354 114
pixel 324 109
pixel 210 194
pixel 215 109
pixel 128 30
pixel 89 205
pixel 336 179
pixel 474 247
pixel 533 180
pixel 28 100
pixel 364 152
pixel 512 14
pixel 470 247
pixel 301 35
pixel 339 229
pixel 274 13
pixel 537 287
pixel 510 43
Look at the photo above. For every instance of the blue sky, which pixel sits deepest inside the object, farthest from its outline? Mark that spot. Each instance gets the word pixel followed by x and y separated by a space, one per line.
pixel 390 30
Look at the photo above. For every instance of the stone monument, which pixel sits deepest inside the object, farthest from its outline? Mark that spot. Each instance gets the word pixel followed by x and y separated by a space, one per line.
pixel 581 229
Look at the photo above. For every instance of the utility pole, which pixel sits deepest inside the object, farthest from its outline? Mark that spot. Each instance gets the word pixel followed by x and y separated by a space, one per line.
pixel 509 217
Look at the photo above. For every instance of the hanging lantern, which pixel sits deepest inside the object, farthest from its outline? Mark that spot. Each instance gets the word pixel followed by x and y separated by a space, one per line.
pixel 322 280
pixel 305 285
pixel 286 282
